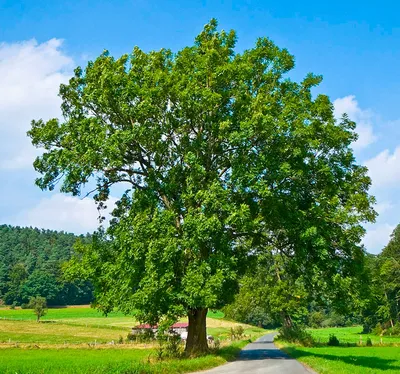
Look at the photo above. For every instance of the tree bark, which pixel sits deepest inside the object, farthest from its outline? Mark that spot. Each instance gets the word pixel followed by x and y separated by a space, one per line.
pixel 196 342
pixel 287 321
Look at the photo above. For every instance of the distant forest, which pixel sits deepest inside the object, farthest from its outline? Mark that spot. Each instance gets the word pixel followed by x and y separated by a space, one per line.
pixel 30 265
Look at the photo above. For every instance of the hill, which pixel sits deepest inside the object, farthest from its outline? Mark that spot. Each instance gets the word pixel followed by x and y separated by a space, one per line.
pixel 30 265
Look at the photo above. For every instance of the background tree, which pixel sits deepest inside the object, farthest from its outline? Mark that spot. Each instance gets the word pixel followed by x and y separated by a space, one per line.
pixel 30 265
pixel 222 158
pixel 380 299
pixel 39 306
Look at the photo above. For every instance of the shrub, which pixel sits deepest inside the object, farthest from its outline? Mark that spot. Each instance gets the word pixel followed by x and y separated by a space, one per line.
pixel 173 348
pixel 131 337
pixel 315 319
pixel 142 337
pixel 395 330
pixel 369 342
pixel 378 329
pixel 333 341
pixel 296 334
pixel 237 332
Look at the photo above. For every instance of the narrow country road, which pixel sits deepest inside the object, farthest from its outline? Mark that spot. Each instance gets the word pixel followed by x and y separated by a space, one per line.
pixel 261 357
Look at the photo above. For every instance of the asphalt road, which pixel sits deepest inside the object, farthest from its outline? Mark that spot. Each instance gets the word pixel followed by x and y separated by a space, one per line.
pixel 261 357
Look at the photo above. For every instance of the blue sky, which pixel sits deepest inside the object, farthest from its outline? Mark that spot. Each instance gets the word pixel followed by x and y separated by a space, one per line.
pixel 354 45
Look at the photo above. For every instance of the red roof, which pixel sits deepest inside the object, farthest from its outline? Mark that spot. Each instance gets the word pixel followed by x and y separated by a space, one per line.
pixel 175 325
pixel 180 325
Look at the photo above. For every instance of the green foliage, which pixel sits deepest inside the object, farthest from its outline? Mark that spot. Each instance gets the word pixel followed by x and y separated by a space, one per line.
pixel 223 158
pixel 174 346
pixel 295 334
pixel 333 341
pixel 30 265
pixel 143 337
pixel 369 342
pixel 316 319
pixel 39 306
pixel 380 302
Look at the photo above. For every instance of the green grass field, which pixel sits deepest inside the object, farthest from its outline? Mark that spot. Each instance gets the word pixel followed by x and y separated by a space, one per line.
pixel 353 360
pixel 348 360
pixel 77 341
pixel 351 335
pixel 104 361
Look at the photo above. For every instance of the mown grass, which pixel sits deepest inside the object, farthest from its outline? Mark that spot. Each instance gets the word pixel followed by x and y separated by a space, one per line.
pixel 352 356
pixel 352 360
pixel 110 361
pixel 351 335
pixel 79 325
pixel 56 333
pixel 64 343
pixel 84 316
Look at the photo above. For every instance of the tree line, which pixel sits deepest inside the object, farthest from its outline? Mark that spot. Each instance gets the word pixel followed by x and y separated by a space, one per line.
pixel 371 298
pixel 31 265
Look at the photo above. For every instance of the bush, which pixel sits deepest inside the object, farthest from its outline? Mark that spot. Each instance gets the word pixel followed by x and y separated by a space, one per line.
pixel 174 348
pixel 333 341
pixel 296 334
pixel 369 342
pixel 378 330
pixel 237 332
pixel 315 319
pixel 395 330
pixel 143 337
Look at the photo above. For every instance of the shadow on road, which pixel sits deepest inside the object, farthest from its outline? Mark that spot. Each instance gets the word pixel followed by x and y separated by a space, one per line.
pixel 263 354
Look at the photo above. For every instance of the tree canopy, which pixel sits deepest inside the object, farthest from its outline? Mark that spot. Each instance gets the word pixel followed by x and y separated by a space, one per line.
pixel 223 157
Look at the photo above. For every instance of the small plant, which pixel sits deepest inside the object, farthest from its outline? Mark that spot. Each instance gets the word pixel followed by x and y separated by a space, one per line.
pixel 13 305
pixel 120 340
pixel 333 341
pixel 173 348
pixel 236 332
pixel 160 350
pixel 369 342
pixel 131 337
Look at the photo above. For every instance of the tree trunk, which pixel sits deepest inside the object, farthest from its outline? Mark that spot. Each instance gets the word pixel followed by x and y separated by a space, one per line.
pixel 196 342
pixel 287 321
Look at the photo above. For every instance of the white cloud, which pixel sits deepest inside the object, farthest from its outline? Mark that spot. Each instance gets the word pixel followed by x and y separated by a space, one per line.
pixel 63 212
pixel 383 207
pixel 363 119
pixel 377 237
pixel 384 169
pixel 31 74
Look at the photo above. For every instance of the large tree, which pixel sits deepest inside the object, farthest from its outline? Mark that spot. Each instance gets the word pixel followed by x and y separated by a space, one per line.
pixel 222 157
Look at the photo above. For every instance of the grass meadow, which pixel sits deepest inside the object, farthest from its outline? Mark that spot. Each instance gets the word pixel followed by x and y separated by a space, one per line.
pixel 81 340
pixel 352 356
